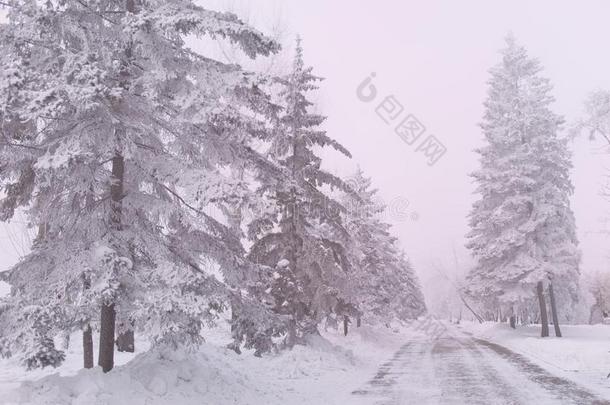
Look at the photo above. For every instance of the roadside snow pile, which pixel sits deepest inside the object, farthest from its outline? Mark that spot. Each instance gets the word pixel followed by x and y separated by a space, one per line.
pixel 160 377
pixel 12 374
pixel 326 371
pixel 581 355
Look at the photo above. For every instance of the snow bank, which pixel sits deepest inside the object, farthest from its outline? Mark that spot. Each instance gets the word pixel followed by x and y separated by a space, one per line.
pixel 159 377
pixel 581 355
pixel 326 371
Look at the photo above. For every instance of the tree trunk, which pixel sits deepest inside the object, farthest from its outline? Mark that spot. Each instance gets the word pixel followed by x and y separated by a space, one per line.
pixel 87 333
pixel 106 355
pixel 479 317
pixel 544 320
pixel 125 341
pixel 234 317
pixel 87 347
pixel 345 324
pixel 513 321
pixel 554 311
pixel 291 334
pixel 107 324
pixel 358 321
pixel 43 230
pixel 108 315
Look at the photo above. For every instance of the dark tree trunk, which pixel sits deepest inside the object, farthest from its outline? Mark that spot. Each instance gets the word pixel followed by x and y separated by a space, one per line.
pixel 87 347
pixel 125 342
pixel 106 355
pixel 358 321
pixel 513 321
pixel 235 332
pixel 544 320
pixel 107 324
pixel 234 317
pixel 43 230
pixel 87 333
pixel 345 324
pixel 479 317
pixel 554 311
pixel 108 315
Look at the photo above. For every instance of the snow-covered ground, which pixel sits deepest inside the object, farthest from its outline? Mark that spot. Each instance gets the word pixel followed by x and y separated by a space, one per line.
pixel 398 365
pixel 326 371
pixel 581 355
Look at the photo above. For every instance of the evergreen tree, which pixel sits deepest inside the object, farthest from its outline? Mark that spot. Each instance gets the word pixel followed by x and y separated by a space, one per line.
pixel 385 284
pixel 301 237
pixel 523 232
pixel 124 137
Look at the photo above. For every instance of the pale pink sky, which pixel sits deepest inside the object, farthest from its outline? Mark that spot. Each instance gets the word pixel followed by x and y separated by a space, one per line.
pixel 434 57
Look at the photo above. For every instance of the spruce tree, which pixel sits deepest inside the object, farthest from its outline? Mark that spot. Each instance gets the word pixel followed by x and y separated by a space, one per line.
pixel 123 143
pixel 301 237
pixel 522 227
pixel 386 287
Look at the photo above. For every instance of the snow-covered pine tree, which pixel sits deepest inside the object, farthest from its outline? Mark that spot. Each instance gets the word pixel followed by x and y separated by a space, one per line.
pixel 386 287
pixel 302 237
pixel 33 323
pixel 129 135
pixel 522 227
pixel 408 302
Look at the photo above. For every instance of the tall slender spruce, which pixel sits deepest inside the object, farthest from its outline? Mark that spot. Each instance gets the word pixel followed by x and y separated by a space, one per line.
pixel 522 227
pixel 302 238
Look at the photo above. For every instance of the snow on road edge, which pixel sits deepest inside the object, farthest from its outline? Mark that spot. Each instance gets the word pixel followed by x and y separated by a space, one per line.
pixel 582 355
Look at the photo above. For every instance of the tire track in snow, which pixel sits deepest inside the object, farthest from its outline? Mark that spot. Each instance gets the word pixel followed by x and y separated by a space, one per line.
pixel 458 370
pixel 463 379
pixel 412 362
pixel 567 391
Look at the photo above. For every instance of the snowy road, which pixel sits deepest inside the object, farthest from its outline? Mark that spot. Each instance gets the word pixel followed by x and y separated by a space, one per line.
pixel 459 369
